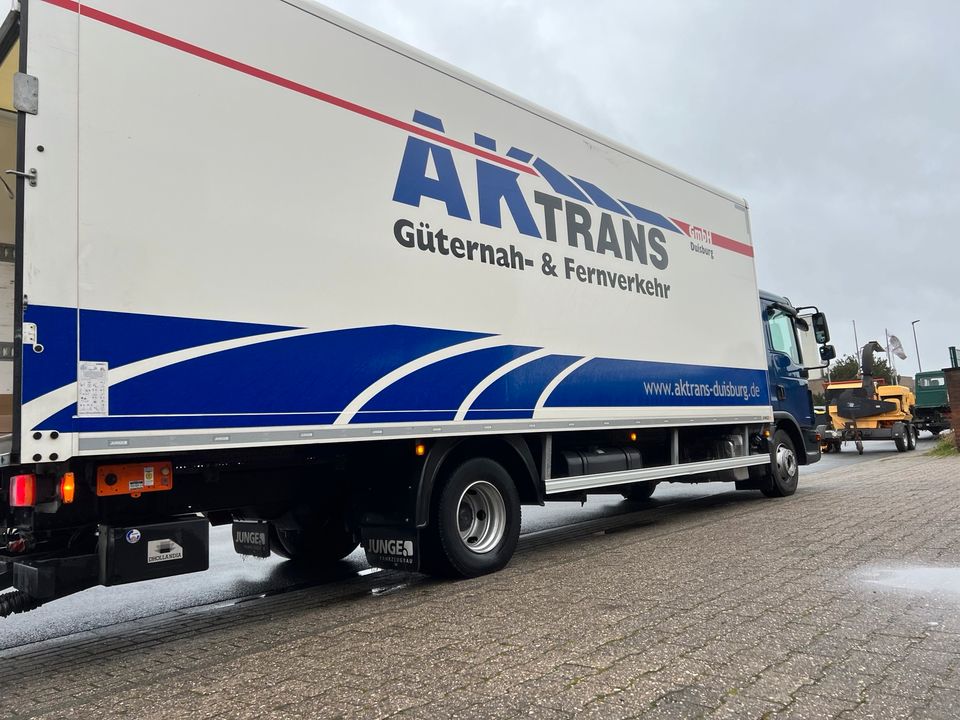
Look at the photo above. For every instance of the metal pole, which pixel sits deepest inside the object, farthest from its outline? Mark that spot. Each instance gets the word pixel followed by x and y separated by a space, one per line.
pixel 856 342
pixel 889 358
pixel 915 345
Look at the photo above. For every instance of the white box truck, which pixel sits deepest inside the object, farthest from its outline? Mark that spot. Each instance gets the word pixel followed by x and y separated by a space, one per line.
pixel 266 266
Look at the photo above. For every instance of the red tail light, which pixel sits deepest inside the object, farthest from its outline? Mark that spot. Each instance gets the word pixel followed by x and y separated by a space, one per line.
pixel 23 491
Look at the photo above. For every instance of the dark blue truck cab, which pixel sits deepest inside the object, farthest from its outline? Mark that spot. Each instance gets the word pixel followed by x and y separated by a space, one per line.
pixel 796 440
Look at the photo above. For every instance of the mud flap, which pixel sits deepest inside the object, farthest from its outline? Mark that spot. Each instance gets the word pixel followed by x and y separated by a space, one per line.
pixel 252 537
pixel 391 547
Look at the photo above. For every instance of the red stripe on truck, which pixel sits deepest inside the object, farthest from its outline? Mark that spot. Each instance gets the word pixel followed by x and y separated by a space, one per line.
pixel 224 61
pixel 713 238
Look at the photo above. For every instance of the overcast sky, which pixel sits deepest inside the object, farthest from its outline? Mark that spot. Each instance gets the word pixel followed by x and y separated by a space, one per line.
pixel 839 122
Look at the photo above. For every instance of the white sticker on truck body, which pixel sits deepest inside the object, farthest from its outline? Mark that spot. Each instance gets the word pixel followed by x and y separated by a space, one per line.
pixel 163 551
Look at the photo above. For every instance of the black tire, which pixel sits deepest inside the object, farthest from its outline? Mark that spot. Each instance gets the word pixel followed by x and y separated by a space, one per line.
pixel 911 437
pixel 475 521
pixel 318 543
pixel 901 442
pixel 784 468
pixel 859 444
pixel 276 547
pixel 639 492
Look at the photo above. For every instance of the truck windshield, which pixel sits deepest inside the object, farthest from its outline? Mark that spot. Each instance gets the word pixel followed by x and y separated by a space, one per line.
pixel 931 382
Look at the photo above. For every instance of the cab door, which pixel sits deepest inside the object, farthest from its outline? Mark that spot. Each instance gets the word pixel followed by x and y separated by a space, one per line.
pixel 788 385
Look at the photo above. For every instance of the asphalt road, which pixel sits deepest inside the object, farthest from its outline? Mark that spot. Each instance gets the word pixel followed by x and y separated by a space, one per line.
pixel 232 577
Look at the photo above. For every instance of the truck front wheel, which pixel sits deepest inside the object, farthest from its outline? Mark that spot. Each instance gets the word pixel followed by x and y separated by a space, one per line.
pixel 476 521
pixel 784 467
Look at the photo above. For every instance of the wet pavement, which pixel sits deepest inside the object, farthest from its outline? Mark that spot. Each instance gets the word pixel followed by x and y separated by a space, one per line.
pixel 839 602
pixel 232 577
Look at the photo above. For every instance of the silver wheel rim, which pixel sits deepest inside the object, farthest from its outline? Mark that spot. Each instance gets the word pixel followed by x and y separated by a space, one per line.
pixel 481 517
pixel 786 460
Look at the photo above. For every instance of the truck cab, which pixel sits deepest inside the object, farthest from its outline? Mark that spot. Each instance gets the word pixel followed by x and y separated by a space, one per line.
pixel 788 370
pixel 932 412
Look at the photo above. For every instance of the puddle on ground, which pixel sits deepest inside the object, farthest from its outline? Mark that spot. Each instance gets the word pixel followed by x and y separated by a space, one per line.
pixel 915 579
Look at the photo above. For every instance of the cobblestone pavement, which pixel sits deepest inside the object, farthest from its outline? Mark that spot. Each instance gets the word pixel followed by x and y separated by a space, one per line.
pixel 732 606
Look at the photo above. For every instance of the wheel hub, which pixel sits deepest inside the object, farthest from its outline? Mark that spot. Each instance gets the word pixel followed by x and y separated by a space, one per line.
pixel 481 517
pixel 786 460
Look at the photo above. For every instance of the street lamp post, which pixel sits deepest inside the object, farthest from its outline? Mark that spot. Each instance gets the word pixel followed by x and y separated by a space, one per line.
pixel 915 345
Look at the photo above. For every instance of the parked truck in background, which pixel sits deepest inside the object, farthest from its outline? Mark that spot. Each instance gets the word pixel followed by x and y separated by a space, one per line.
pixel 932 411
pixel 269 267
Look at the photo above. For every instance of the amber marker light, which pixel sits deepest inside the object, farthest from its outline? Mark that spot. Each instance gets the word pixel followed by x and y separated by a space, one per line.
pixel 420 449
pixel 68 487
pixel 633 437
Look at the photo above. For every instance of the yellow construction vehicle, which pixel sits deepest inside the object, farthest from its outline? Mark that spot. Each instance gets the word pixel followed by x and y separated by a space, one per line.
pixel 867 409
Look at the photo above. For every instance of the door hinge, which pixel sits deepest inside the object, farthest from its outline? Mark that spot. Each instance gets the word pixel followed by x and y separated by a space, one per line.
pixel 26 93
pixel 30 337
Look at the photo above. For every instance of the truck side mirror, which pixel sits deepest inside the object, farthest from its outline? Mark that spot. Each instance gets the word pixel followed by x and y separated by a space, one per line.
pixel 820 330
pixel 827 353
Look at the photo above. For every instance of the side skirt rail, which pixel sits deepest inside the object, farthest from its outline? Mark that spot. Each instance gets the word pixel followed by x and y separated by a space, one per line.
pixel 663 472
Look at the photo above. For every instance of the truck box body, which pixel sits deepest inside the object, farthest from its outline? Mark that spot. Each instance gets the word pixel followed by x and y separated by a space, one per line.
pixel 258 223
pixel 266 266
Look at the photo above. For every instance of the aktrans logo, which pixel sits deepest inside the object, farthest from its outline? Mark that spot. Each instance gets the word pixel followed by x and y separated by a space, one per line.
pixel 619 228
pixel 575 213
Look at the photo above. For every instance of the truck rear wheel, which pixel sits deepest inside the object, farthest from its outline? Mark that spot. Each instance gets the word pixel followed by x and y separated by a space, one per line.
pixel 911 437
pixel 317 543
pixel 784 467
pixel 475 524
